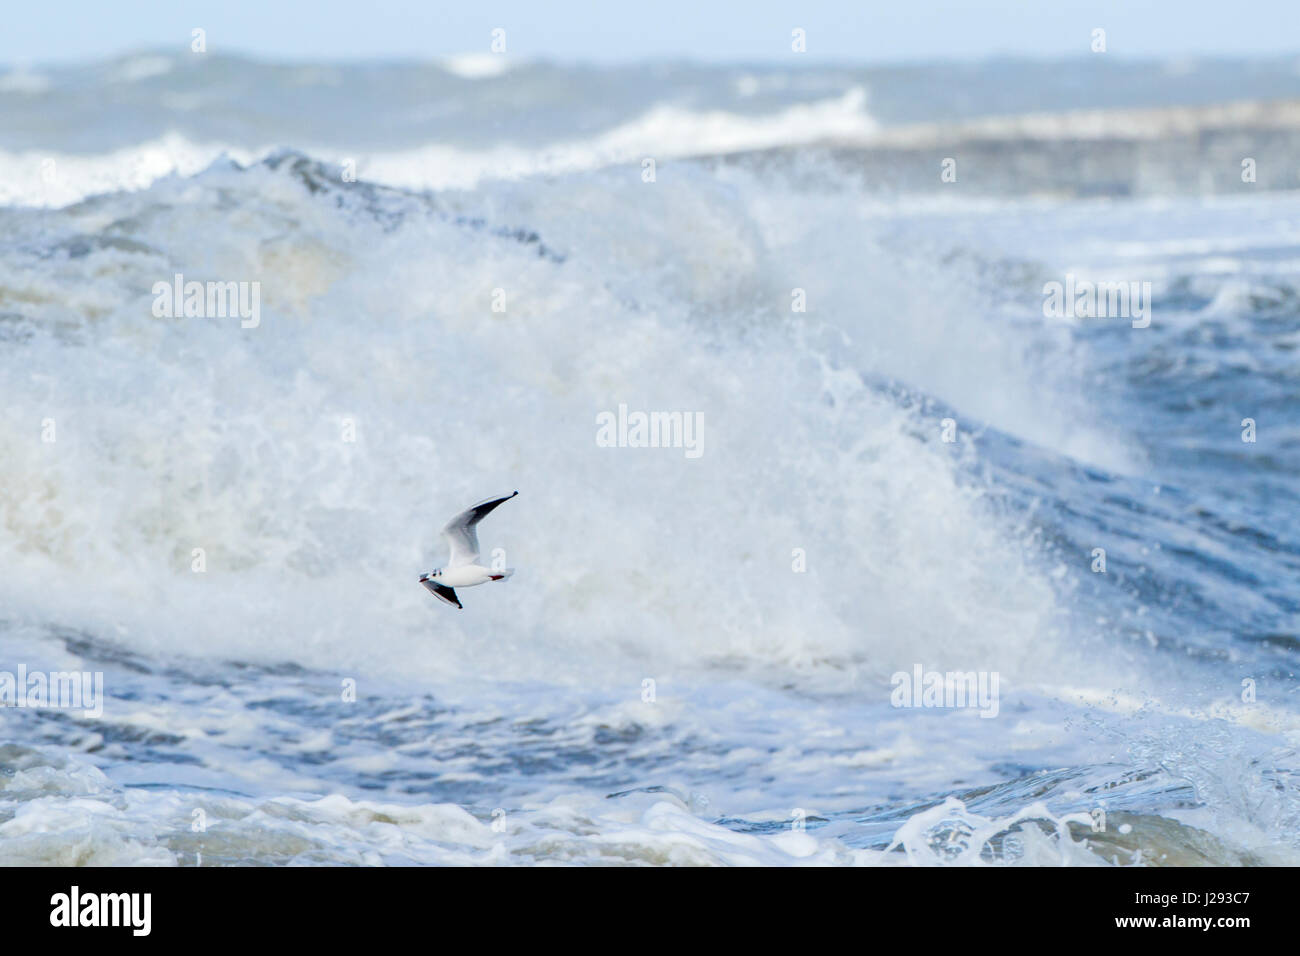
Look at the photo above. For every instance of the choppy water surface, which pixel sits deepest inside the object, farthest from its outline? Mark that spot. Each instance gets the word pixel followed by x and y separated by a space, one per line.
pixel 303 700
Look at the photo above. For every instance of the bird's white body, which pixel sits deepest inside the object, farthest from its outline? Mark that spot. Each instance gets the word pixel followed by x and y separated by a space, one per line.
pixel 463 569
pixel 467 576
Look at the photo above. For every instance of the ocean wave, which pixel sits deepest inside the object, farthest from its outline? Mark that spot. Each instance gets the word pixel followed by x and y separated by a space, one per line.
pixel 309 459
pixel 247 465
pixel 46 178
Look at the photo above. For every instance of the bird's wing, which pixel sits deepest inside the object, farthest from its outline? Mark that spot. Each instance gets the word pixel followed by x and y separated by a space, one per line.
pixel 462 538
pixel 443 593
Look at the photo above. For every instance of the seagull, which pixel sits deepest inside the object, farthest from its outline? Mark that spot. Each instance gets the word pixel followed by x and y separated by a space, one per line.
pixel 463 569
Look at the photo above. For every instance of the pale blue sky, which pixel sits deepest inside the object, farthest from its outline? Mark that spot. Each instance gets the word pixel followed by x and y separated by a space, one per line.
pixel 863 31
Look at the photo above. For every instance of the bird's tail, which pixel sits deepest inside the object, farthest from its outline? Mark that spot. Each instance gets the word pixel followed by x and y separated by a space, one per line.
pixel 502 574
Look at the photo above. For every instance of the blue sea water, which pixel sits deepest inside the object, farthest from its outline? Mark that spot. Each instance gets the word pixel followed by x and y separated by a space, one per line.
pixel 461 266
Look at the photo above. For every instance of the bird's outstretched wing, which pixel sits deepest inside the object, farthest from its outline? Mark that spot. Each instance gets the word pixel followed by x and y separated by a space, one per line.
pixel 443 593
pixel 462 538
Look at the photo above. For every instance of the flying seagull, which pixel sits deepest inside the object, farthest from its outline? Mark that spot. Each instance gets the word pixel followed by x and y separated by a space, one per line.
pixel 463 569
